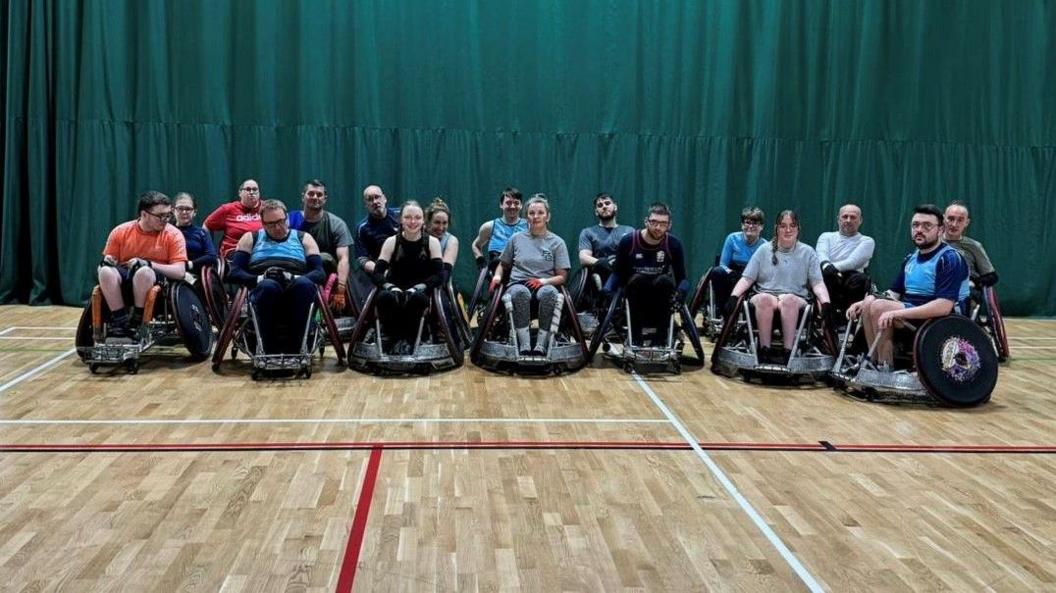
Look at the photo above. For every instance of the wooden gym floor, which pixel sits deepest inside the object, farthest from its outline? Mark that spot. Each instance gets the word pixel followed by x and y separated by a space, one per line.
pixel 179 479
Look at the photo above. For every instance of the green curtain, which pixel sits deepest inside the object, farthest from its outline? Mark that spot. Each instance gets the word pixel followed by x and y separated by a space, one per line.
pixel 709 106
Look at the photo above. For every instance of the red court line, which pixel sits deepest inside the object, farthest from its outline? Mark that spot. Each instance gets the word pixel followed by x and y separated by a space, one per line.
pixel 359 524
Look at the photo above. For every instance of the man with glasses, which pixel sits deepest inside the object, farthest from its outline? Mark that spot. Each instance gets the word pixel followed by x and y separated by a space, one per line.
pixel 650 266
pixel 331 234
pixel 283 267
pixel 237 218
pixel 844 256
pixel 933 282
pixel 737 251
pixel 136 251
pixel 980 268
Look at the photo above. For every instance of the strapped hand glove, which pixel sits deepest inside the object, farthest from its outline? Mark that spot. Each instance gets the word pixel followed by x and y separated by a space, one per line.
pixel 534 284
pixel 603 265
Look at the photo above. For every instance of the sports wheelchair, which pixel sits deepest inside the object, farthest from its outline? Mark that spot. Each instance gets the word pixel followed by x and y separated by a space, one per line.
pixel 737 347
pixel 663 353
pixel 947 361
pixel 704 301
pixel 172 314
pixel 438 344
pixel 241 331
pixel 589 299
pixel 985 310
pixel 211 291
pixel 495 344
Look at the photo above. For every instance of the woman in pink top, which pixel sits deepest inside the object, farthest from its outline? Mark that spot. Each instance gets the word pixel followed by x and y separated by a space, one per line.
pixel 237 218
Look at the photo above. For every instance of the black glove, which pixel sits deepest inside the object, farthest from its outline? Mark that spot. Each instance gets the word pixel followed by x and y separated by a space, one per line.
pixel 603 265
pixel 108 261
pixel 278 275
pixel 482 262
pixel 988 279
pixel 136 263
pixel 828 268
pixel 730 306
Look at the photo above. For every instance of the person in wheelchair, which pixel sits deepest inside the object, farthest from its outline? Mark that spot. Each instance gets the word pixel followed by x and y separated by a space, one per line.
pixel 933 282
pixel 236 218
pixel 784 273
pixel 844 255
pixel 983 306
pixel 737 250
pixel 538 264
pixel 597 254
pixel 380 223
pixel 136 253
pixel 202 260
pixel 437 222
pixel 332 236
pixel 407 270
pixel 950 360
pixel 491 240
pixel 283 268
pixel 650 274
pixel 650 269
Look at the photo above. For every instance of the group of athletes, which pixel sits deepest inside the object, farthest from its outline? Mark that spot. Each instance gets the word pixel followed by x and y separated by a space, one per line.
pixel 285 256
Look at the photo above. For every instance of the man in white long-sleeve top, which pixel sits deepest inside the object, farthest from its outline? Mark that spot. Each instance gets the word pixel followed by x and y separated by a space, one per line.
pixel 844 257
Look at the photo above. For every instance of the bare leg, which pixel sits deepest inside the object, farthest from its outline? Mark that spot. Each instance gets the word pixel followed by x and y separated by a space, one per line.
pixel 765 305
pixel 790 307
pixel 110 285
pixel 885 348
pixel 142 282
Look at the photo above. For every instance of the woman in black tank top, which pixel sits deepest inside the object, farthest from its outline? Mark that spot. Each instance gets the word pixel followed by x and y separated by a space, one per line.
pixel 406 271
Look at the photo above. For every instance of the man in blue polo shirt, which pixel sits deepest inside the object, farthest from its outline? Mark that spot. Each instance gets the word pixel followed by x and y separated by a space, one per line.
pixel 933 282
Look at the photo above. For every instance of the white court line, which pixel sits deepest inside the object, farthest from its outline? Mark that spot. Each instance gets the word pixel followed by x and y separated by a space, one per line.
pixel 1033 347
pixel 7 331
pixel 1028 338
pixel 146 421
pixel 67 327
pixel 40 369
pixel 2 337
pixel 719 475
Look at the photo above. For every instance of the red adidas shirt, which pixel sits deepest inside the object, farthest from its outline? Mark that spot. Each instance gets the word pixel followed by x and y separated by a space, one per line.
pixel 235 221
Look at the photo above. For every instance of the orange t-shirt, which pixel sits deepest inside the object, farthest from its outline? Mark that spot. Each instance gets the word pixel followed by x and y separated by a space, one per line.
pixel 127 240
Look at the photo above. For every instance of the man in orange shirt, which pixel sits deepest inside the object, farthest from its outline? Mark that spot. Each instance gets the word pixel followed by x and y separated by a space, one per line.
pixel 136 251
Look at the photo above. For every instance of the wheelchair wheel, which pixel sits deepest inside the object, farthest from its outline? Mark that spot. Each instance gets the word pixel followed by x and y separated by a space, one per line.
pixel 216 300
pixel 577 286
pixel 996 323
pixel 598 339
pixel 192 320
pixel 955 361
pixel 484 326
pixel 449 334
pixel 690 329
pixel 479 298
pixel 84 337
pixel 573 321
pixel 331 329
pixel 227 332
pixel 699 294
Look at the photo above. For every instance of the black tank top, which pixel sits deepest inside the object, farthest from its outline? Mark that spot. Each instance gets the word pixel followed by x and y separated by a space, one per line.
pixel 410 263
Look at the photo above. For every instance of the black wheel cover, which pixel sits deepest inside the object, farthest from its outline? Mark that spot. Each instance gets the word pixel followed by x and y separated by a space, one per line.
pixel 955 361
pixel 192 320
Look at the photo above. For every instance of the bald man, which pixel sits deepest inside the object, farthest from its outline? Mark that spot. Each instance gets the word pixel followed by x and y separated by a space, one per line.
pixel 979 266
pixel 380 223
pixel 844 256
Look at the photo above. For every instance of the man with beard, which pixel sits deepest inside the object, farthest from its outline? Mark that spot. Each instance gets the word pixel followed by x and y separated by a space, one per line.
pixel 844 256
pixel 597 244
pixel 330 233
pixel 380 223
pixel 650 266
pixel 494 234
pixel 979 267
pixel 933 282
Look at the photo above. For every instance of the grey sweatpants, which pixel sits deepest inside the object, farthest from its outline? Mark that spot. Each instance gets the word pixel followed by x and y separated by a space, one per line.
pixel 522 305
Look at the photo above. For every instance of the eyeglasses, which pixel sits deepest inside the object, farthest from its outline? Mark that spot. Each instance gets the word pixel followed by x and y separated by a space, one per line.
pixel 924 226
pixel 160 216
pixel 184 209
pixel 659 223
pixel 273 223
pixel 251 190
pixel 751 223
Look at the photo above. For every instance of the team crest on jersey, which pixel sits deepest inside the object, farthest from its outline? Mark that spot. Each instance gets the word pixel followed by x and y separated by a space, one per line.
pixel 548 255
pixel 660 257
